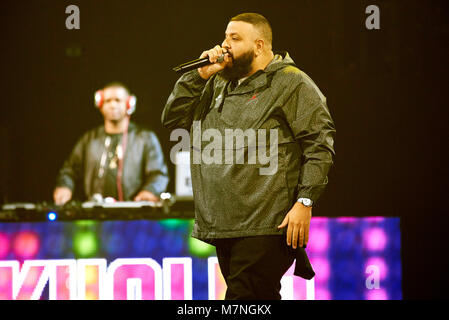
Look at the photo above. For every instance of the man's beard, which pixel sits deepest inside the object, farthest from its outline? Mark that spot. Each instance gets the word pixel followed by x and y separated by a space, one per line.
pixel 241 66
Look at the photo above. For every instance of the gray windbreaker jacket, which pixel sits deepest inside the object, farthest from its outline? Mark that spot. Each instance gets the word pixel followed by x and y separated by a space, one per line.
pixel 233 196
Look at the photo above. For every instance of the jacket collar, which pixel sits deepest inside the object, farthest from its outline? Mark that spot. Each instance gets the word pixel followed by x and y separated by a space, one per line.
pixel 131 127
pixel 259 78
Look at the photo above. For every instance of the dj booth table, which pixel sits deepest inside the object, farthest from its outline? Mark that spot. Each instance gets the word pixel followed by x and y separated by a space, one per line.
pixel 119 210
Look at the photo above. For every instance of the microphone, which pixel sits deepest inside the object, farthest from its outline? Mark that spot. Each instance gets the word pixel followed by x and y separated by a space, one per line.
pixel 194 64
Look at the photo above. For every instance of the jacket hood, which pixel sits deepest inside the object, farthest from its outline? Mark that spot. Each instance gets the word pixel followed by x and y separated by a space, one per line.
pixel 281 60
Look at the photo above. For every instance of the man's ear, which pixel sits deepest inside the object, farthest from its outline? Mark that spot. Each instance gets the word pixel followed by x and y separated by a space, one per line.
pixel 260 45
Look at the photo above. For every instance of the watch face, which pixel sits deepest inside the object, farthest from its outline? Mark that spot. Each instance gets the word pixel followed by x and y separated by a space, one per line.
pixel 307 202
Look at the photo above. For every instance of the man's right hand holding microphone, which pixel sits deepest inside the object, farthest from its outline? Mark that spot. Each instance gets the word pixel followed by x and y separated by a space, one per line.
pixel 214 54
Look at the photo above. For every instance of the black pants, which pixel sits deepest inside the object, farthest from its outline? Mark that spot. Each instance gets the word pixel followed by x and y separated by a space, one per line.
pixel 253 266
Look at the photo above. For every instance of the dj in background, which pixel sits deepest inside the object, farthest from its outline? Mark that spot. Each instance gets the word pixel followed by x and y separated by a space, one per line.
pixel 118 159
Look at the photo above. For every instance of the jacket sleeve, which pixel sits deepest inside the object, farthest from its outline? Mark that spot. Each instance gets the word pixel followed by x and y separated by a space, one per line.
pixel 314 130
pixel 181 104
pixel 156 172
pixel 72 169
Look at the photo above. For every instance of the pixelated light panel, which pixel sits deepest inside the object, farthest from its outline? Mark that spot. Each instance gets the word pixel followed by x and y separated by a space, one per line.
pixel 354 258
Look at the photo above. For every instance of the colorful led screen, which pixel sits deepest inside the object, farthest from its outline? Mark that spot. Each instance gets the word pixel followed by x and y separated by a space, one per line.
pixel 354 258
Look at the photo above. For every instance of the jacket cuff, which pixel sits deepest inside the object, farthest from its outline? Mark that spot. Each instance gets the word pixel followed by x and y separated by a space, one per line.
pixel 195 76
pixel 65 182
pixel 157 187
pixel 311 192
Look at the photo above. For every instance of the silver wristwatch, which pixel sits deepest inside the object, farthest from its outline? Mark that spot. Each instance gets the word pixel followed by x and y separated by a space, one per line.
pixel 305 201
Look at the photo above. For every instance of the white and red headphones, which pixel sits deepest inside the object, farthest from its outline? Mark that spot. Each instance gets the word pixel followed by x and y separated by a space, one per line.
pixel 130 103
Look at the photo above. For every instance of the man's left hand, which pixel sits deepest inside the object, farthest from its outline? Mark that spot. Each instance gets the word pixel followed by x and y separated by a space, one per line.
pixel 298 221
pixel 145 195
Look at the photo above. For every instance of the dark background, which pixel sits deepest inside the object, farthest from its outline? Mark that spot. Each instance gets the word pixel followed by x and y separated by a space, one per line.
pixel 387 91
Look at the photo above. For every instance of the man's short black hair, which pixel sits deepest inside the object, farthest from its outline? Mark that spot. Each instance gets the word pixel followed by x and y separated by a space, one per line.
pixel 258 21
pixel 117 84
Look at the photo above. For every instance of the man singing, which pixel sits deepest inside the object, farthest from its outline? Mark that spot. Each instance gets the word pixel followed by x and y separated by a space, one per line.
pixel 258 223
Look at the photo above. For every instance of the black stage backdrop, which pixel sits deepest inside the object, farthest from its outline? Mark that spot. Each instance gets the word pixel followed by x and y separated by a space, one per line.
pixel 387 90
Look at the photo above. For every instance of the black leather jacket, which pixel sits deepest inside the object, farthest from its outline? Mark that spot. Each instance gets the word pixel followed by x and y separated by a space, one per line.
pixel 144 167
